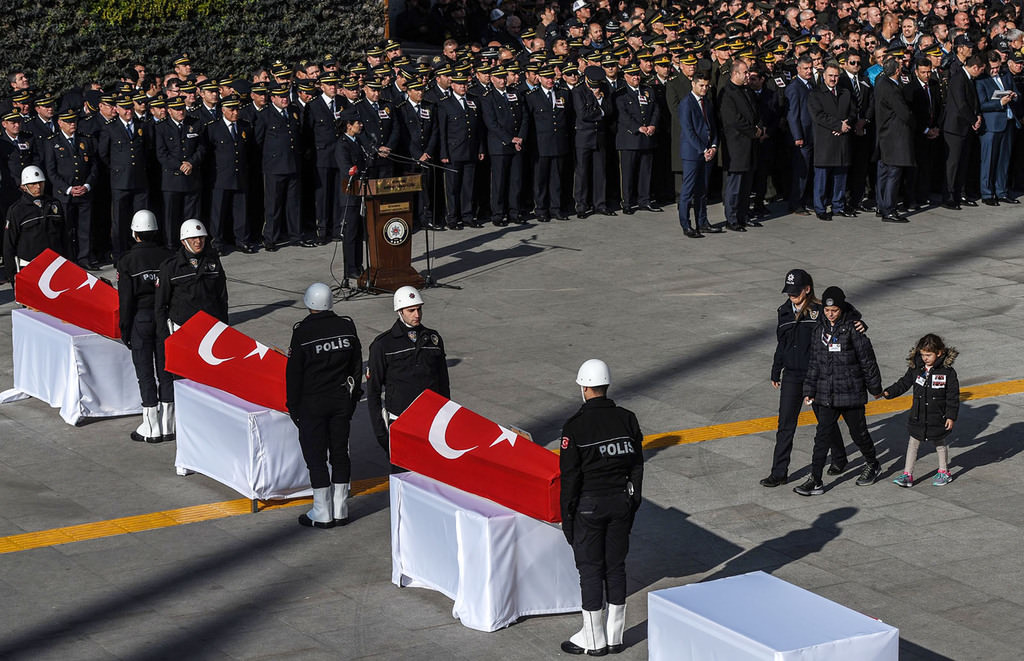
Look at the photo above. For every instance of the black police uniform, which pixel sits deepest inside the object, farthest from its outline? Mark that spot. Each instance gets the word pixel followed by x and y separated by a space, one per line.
pixel 403 362
pixel 602 474
pixel 504 116
pixel 418 137
pixel 15 156
pixel 187 284
pixel 635 108
pixel 322 128
pixel 379 130
pixel 460 129
pixel 177 143
pixel 126 156
pixel 550 113
pixel 280 136
pixel 349 227
pixel 69 163
pixel 231 151
pixel 137 273
pixel 323 384
pixel 33 225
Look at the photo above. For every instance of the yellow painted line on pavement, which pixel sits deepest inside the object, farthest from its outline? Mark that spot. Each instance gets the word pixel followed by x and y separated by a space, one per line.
pixel 240 506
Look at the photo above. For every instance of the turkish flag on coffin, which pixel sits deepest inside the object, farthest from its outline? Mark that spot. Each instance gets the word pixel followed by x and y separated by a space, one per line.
pixel 212 353
pixel 440 439
pixel 62 289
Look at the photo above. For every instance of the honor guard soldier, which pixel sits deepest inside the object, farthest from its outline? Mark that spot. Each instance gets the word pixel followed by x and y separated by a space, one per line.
pixel 550 111
pixel 230 139
pixel 123 149
pixel 323 382
pixel 180 150
pixel 505 119
pixel 638 118
pixel 404 361
pixel 418 121
pixel 34 223
pixel 321 125
pixel 69 158
pixel 602 466
pixel 279 134
pixel 137 273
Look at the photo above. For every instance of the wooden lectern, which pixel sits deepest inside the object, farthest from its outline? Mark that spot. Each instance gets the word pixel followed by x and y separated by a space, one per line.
pixel 388 231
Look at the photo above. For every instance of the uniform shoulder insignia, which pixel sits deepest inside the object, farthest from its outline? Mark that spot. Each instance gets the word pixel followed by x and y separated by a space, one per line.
pixel 212 121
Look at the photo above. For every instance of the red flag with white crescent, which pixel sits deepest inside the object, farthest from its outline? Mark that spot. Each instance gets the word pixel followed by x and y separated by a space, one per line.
pixel 60 288
pixel 442 439
pixel 210 352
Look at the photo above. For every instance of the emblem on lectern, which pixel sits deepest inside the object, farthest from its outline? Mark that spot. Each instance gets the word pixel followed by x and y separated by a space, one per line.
pixel 396 231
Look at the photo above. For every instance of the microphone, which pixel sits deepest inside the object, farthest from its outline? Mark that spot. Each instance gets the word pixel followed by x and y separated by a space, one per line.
pixel 352 172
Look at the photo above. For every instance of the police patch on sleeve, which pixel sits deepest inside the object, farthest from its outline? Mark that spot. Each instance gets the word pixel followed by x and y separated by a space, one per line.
pixel 565 442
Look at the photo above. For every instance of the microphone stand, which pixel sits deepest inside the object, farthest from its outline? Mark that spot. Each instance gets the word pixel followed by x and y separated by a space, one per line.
pixel 429 282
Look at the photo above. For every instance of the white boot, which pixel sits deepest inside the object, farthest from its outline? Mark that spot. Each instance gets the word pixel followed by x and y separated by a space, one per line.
pixel 341 504
pixel 167 431
pixel 149 430
pixel 615 626
pixel 591 638
pixel 321 515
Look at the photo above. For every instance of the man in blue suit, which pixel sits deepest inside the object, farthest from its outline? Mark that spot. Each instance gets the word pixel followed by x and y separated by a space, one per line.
pixel 698 145
pixel 999 119
pixel 801 128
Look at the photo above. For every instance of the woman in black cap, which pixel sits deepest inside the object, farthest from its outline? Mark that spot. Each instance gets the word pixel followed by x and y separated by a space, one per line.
pixel 841 372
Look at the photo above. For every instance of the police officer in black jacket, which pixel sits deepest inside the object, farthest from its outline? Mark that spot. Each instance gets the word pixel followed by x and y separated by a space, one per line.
pixel 602 476
pixel 404 361
pixel 550 111
pixel 180 148
pixel 594 110
pixel 34 223
pixel 137 273
pixel 70 162
pixel 230 139
pixel 504 114
pixel 123 149
pixel 190 281
pixel 321 117
pixel 351 160
pixel 323 381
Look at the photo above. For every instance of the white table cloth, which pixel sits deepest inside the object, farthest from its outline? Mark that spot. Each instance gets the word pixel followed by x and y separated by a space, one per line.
pixel 84 374
pixel 497 564
pixel 758 616
pixel 250 448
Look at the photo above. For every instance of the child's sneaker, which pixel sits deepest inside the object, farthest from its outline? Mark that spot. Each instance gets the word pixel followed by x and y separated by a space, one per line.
pixel 942 478
pixel 905 480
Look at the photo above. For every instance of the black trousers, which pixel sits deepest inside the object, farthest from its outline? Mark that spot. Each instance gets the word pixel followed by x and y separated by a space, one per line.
pixel 325 192
pixel 281 201
pixel 828 417
pixel 736 197
pixel 636 177
pixel 148 359
pixel 791 398
pixel 957 151
pixel 506 185
pixel 458 190
pixel 124 204
pixel 799 195
pixel 78 214
pixel 888 187
pixel 324 438
pixel 179 207
pixel 232 203
pixel 600 544
pixel 589 190
pixel 352 240
pixel 547 185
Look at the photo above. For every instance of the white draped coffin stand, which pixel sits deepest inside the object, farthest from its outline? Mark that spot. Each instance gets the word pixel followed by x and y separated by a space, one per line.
pixel 250 448
pixel 84 374
pixel 758 616
pixel 497 564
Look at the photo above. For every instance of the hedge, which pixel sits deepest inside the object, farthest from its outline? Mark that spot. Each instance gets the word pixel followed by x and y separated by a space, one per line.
pixel 65 43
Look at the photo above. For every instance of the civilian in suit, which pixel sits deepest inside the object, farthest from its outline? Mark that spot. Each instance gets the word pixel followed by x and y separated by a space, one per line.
pixel 69 159
pixel 925 101
pixel 230 140
pixel 549 109
pixel 460 129
pixel 741 131
pixel 321 128
pixel 960 118
pixel 999 120
pixel 698 147
pixel 831 109
pixel 676 90
pixel 860 180
pixel 379 135
pixel 895 139
pixel 637 117
pixel 349 154
pixel 279 135
pixel 504 115
pixel 180 149
pixel 801 129
pixel 122 148
pixel 593 108
pixel 417 122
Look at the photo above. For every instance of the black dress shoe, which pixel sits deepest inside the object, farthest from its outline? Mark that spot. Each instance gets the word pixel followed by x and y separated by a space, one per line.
pixel 543 218
pixel 1009 200
pixel 848 214
pixel 606 212
pixel 823 216
pixel 435 227
pixel 583 213
pixel 991 201
pixel 561 216
pixel 499 223
pixel 800 211
pixel 864 206
pixel 710 229
pixel 736 228
pixel 308 243
pixel 309 523
pixel 968 203
pixel 89 264
pixel 693 234
pixel 950 204
pixel 457 226
pixel 269 246
pixel 475 224
pixel 771 481
pixel 627 211
pixel 247 248
pixel 570 647
pixel 651 207
pixel 323 241
pixel 894 218
pixel 754 223
pixel 518 220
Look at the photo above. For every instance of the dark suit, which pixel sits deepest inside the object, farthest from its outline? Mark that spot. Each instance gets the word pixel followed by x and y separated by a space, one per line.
pixel 379 130
pixel 594 126
pixel 676 90
pixel 550 125
pixel 998 124
pixel 70 163
pixel 636 108
pixel 39 129
pixel 801 127
pixel 895 141
pixel 459 142
pixel 958 116
pixel 126 156
pixel 176 144
pixel 740 124
pixel 861 175
pixel 321 129
pixel 280 139
pixel 504 115
pixel 349 153
pixel 15 155
pixel 230 164
pixel 698 132
pixel 829 109
pixel 926 106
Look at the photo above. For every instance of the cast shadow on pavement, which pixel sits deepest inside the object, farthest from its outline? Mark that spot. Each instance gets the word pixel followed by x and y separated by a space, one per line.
pixel 239 317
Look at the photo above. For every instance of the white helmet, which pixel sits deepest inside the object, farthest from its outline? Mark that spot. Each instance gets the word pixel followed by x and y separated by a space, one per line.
pixel 32 175
pixel 144 221
pixel 406 297
pixel 192 228
pixel 594 372
pixel 318 297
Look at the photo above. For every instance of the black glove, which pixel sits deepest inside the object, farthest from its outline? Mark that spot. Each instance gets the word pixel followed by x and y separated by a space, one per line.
pixel 567 530
pixel 126 339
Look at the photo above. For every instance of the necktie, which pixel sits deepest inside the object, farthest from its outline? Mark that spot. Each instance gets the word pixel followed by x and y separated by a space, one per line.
pixel 856 89
pixel 234 134
pixel 333 111
pixel 415 110
pixel 835 93
pixel 462 102
pixel 551 99
pixel 375 108
pixel 49 126
pixel 703 110
pixel 128 127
